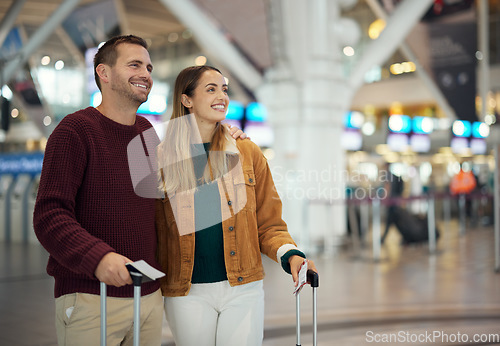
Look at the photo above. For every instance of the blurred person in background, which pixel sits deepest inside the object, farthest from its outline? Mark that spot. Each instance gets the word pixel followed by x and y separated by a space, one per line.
pixel 394 186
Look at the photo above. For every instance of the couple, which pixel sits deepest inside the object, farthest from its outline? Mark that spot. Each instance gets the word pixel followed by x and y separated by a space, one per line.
pixel 91 221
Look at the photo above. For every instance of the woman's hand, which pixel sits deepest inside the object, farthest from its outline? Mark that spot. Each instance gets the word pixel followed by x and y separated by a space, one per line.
pixel 235 132
pixel 295 264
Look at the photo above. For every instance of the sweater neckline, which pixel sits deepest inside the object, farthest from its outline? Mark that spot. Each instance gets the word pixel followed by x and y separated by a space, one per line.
pixel 113 123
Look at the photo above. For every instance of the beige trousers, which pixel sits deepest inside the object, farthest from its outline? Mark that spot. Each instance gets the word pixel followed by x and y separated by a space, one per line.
pixel 78 320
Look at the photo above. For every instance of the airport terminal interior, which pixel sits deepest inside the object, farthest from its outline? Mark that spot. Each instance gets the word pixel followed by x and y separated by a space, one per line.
pixel 378 119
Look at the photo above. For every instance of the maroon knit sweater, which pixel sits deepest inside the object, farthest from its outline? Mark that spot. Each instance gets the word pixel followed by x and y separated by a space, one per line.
pixel 86 205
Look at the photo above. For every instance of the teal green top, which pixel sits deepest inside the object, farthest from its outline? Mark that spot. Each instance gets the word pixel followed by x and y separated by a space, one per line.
pixel 209 263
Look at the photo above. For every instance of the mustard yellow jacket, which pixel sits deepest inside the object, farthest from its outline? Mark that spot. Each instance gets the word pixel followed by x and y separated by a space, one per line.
pixel 251 222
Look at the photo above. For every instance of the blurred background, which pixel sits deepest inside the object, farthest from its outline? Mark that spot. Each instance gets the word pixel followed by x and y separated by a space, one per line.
pixel 378 119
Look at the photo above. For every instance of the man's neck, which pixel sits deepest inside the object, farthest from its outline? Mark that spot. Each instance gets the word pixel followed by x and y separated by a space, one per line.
pixel 121 115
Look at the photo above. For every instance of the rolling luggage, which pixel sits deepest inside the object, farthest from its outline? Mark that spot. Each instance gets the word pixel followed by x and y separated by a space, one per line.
pixel 313 280
pixel 413 228
pixel 139 272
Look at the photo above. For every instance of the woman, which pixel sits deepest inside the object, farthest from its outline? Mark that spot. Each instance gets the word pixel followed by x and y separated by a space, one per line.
pixel 220 211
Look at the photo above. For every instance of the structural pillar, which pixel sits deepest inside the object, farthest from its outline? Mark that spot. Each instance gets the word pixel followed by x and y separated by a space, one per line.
pixel 484 62
pixel 306 96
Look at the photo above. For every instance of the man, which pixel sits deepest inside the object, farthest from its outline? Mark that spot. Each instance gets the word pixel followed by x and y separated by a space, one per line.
pixel 87 215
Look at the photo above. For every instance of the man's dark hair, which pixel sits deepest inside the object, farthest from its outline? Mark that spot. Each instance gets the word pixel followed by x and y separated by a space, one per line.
pixel 107 53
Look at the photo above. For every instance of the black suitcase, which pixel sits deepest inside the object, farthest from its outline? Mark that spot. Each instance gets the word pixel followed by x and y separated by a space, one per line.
pixel 413 228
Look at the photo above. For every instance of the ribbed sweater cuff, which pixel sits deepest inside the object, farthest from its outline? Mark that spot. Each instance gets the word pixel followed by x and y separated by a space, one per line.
pixel 286 257
pixel 93 257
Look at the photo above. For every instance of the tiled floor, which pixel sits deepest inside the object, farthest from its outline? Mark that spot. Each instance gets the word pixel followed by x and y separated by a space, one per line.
pixel 408 295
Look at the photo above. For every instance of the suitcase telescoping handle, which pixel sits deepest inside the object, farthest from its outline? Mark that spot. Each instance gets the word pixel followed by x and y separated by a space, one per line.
pixel 313 280
pixel 137 280
pixel 103 314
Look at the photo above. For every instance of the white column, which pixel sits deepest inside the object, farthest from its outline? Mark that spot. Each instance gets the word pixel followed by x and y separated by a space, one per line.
pixel 484 63
pixel 306 96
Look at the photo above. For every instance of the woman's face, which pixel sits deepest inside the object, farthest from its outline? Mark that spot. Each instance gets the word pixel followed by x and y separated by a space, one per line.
pixel 209 101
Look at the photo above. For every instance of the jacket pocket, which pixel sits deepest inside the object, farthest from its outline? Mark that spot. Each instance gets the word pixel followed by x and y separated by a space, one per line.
pixel 249 180
pixel 247 239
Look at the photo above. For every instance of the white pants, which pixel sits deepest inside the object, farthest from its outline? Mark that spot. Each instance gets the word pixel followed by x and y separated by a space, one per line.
pixel 218 314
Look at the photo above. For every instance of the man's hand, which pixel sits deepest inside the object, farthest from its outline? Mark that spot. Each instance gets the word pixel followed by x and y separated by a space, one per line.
pixel 295 264
pixel 236 132
pixel 112 271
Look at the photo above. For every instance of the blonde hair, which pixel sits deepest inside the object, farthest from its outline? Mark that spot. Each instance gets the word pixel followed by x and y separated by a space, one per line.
pixel 175 152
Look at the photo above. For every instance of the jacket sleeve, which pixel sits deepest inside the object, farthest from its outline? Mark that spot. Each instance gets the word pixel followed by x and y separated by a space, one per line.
pixel 54 219
pixel 274 238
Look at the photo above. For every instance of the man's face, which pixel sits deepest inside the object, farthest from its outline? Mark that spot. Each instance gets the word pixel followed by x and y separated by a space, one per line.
pixel 130 77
